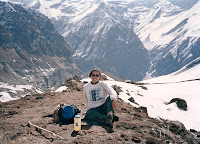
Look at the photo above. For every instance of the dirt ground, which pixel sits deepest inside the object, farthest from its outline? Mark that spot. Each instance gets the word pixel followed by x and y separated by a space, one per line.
pixel 134 125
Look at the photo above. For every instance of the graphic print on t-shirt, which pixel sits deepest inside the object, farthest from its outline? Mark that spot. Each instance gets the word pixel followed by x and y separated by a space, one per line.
pixel 95 95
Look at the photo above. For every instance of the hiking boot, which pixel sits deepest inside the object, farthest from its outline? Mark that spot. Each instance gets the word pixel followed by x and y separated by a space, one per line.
pixel 109 119
pixel 110 116
pixel 109 124
pixel 115 118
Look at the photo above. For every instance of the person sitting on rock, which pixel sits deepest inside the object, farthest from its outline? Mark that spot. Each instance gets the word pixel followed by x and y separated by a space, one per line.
pixel 100 100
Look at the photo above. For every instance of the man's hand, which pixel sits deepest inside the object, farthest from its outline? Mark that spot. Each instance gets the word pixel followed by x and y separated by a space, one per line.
pixel 114 105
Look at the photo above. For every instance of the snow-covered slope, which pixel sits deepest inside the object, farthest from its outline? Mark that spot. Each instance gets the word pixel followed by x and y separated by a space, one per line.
pixel 184 84
pixel 189 72
pixel 14 92
pixel 170 33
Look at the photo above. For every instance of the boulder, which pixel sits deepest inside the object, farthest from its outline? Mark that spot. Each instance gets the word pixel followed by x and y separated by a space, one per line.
pixel 181 103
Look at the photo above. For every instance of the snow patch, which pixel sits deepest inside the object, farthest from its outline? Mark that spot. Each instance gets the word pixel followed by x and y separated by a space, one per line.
pixel 61 89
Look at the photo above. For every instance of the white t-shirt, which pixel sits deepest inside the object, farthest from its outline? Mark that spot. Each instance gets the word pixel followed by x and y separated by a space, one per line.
pixel 96 94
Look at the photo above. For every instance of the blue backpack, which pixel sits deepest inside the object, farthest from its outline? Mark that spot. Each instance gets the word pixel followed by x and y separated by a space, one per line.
pixel 66 113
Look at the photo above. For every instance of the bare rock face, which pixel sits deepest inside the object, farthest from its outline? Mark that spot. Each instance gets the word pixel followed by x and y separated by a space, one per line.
pixel 177 128
pixel 31 50
pixel 74 84
pixel 134 125
pixel 118 89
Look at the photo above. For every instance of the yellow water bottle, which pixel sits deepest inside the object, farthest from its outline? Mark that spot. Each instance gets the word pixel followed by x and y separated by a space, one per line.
pixel 77 122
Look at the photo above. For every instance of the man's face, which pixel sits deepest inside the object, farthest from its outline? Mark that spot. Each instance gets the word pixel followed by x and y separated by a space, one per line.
pixel 95 76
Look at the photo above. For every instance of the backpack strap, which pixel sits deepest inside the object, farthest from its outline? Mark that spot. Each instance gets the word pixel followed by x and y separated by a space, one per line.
pixel 76 110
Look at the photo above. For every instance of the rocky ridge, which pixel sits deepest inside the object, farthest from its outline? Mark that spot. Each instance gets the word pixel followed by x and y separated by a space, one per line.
pixel 31 50
pixel 134 125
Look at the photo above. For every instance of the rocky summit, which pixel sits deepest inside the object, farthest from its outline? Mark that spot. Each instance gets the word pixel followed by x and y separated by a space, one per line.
pixel 30 120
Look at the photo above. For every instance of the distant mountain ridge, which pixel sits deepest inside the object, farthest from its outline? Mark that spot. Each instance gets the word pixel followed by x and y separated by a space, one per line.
pixel 31 51
pixel 102 34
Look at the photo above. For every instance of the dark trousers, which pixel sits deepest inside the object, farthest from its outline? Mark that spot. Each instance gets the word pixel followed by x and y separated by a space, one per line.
pixel 99 114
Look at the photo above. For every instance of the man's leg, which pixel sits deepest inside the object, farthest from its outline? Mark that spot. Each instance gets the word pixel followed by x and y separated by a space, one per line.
pixel 107 107
pixel 94 115
pixel 97 115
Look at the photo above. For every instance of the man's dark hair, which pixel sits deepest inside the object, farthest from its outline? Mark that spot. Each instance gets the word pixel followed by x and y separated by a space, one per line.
pixel 94 70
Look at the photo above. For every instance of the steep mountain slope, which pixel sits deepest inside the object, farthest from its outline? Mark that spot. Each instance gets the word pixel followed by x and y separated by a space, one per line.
pixel 100 34
pixel 171 33
pixel 31 51
pixel 107 41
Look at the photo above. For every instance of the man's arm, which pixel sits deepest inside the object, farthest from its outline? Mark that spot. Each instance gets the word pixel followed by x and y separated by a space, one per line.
pixel 110 91
pixel 114 104
pixel 85 96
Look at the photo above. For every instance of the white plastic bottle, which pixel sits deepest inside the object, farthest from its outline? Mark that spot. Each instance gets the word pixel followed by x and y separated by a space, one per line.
pixel 77 122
